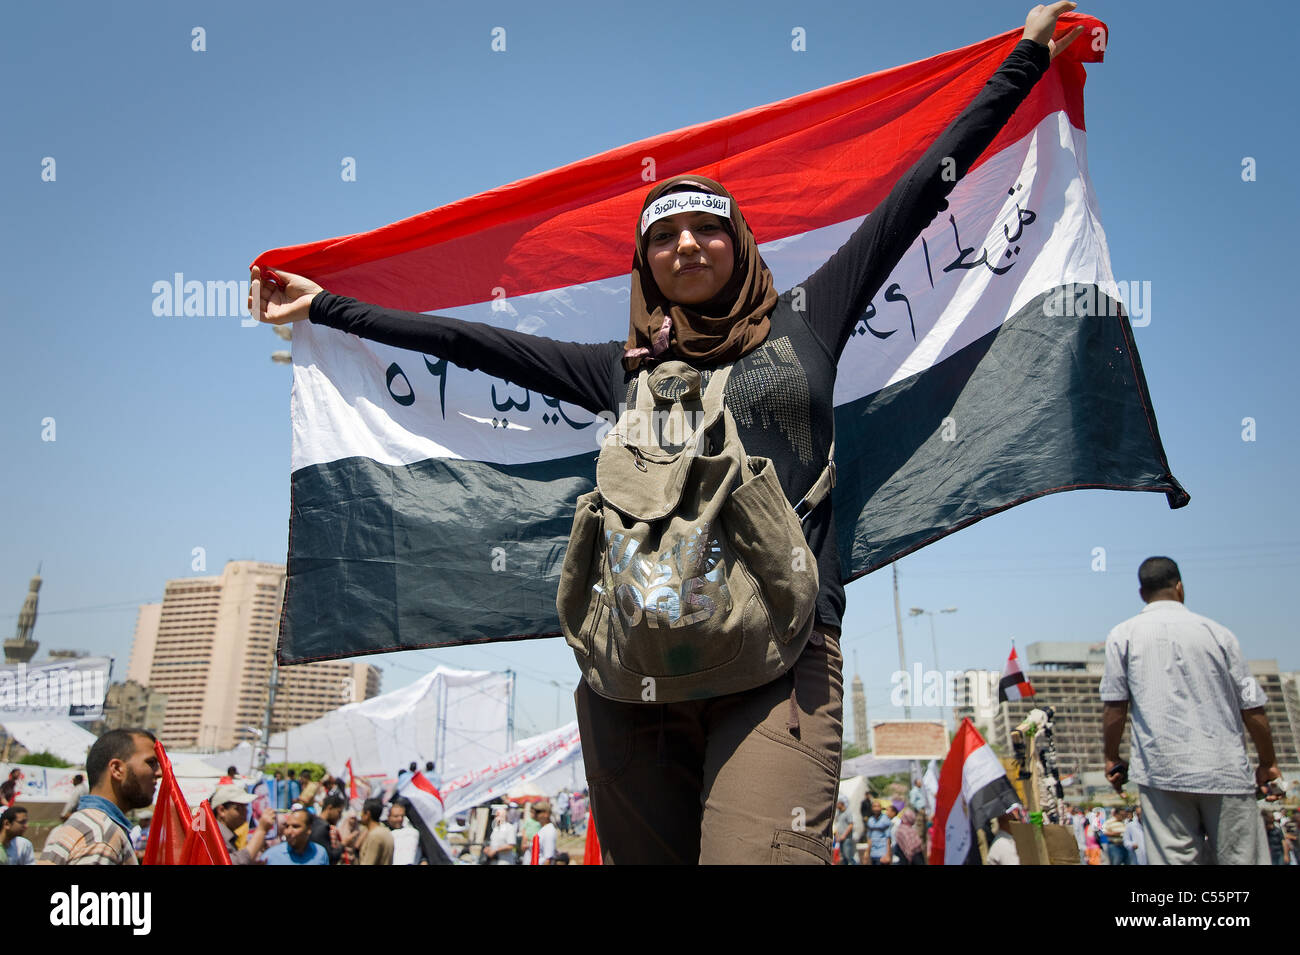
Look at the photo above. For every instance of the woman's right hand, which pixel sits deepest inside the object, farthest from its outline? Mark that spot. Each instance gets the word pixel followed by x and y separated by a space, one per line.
pixel 278 303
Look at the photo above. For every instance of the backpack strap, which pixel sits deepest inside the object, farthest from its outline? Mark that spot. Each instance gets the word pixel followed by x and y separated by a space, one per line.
pixel 712 399
pixel 821 487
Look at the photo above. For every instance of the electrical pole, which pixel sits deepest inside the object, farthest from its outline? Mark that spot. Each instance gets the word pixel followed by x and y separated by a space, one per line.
pixel 902 660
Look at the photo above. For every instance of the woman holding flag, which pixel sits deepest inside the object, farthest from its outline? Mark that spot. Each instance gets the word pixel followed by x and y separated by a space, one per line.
pixel 749 776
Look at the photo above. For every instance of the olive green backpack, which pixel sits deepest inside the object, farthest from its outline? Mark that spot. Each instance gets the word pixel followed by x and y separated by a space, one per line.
pixel 687 575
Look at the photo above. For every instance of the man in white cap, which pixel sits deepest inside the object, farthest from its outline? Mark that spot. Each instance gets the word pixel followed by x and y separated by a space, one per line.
pixel 230 806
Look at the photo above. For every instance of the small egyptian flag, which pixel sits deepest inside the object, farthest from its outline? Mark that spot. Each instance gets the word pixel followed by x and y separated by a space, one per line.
pixel 1014 686
pixel 973 791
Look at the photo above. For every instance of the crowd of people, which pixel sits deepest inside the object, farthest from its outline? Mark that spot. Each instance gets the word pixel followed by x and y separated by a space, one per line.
pixel 281 818
pixel 1195 803
pixel 892 832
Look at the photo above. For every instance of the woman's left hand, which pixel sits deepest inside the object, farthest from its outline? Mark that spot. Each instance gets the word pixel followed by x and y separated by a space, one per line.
pixel 1041 24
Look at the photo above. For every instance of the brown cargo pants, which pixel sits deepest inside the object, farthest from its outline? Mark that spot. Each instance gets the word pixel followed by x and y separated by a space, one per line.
pixel 749 778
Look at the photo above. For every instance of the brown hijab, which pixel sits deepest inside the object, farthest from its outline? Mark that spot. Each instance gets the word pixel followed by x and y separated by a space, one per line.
pixel 731 324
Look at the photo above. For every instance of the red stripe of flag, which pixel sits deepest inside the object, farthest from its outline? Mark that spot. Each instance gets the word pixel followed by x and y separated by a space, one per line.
pixel 849 142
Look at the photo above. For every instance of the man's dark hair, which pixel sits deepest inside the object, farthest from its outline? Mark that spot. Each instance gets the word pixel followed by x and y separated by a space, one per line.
pixel 1157 574
pixel 428 767
pixel 333 800
pixel 291 772
pixel 414 767
pixel 231 771
pixel 12 813
pixel 374 807
pixel 305 774
pixel 77 779
pixel 115 744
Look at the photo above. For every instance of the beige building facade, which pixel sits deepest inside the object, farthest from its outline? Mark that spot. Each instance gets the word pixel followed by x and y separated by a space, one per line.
pixel 209 646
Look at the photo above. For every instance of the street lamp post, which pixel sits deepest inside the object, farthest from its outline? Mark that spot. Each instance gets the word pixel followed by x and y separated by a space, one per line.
pixel 934 645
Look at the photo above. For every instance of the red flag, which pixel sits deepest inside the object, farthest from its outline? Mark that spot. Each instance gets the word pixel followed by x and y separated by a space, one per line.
pixel 591 854
pixel 537 849
pixel 973 790
pixel 352 782
pixel 205 845
pixel 171 818
pixel 1013 686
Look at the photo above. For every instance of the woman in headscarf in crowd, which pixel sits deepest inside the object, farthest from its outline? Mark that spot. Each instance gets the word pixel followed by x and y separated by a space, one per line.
pixel 750 776
pixel 908 843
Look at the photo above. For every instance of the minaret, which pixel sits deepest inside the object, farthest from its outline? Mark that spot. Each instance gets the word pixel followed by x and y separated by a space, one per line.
pixel 859 707
pixel 22 647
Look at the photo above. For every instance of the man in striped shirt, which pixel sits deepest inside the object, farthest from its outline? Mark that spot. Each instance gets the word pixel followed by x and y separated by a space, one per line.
pixel 123 771
pixel 1185 682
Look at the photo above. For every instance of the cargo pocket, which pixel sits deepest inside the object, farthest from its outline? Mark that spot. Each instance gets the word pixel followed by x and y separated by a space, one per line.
pixel 606 729
pixel 770 544
pixel 579 601
pixel 797 848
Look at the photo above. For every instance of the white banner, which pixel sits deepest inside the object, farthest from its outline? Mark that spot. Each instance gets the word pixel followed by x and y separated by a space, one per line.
pixel 38 784
pixel 531 759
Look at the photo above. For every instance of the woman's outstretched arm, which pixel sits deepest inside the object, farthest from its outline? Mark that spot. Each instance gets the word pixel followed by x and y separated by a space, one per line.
pixel 837 294
pixel 571 371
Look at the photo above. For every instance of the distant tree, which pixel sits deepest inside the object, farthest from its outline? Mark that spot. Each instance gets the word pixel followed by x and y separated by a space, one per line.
pixel 48 760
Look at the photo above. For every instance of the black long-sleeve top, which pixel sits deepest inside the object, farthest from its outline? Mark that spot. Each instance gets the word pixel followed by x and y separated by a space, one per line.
pixel 781 393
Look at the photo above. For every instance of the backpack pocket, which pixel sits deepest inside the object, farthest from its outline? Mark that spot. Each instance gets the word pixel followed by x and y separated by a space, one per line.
pixel 674 609
pixel 580 600
pixel 770 542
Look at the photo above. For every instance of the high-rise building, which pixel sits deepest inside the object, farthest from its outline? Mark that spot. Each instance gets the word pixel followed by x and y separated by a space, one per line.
pixel 208 646
pixel 977 697
pixel 1281 709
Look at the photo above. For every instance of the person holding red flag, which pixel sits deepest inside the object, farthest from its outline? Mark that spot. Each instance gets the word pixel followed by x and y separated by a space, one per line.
pixel 123 768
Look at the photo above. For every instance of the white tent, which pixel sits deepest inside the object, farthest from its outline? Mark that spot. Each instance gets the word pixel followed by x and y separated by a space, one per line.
pixel 868 765
pixel 457 718
pixel 241 757
pixel 62 738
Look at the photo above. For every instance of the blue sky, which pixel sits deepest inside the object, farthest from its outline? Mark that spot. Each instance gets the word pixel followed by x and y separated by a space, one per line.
pixel 173 433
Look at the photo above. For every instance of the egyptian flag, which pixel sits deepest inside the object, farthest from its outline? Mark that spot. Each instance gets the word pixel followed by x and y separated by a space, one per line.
pixel 1013 685
pixel 973 791
pixel 432 506
pixel 424 809
pixel 171 826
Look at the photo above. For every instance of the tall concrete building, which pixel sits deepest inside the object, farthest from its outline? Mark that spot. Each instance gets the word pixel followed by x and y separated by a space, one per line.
pixel 208 646
pixel 1067 676
pixel 1283 712
pixel 977 697
pixel 132 705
